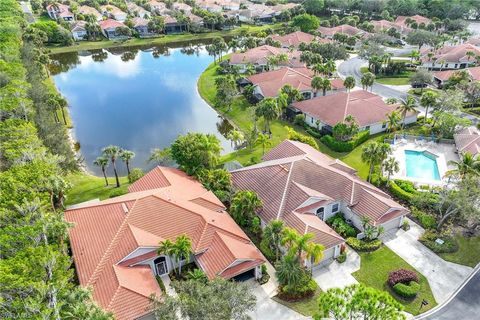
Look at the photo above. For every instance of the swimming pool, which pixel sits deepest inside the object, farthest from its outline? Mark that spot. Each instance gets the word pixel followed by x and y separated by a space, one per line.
pixel 421 165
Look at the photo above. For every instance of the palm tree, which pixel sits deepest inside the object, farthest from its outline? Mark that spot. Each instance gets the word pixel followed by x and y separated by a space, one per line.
pixel 330 67
pixel 373 154
pixel 113 152
pixel 289 271
pixel 367 80
pixel 268 109
pixel 407 105
pixel 236 137
pixel 62 103
pixel 183 250
pixel 414 55
pixel 264 141
pixel 316 84
pixel 289 237
pixel 393 119
pixel 273 235
pixel 160 156
pixel 318 68
pixel 349 83
pixel 282 101
pixel 470 54
pixel 468 165
pixel 428 99
pixel 167 247
pixel 102 162
pixel 126 156
pixel 325 85
pixel 390 166
pixel 314 252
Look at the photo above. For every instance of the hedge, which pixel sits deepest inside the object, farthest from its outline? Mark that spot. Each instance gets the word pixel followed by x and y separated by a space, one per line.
pixel 449 245
pixel 407 290
pixel 360 245
pixel 426 220
pixel 399 192
pixel 313 132
pixel 406 185
pixel 345 146
pixel 295 136
pixel 401 276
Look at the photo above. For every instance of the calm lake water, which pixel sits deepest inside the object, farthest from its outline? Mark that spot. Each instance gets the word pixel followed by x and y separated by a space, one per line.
pixel 138 99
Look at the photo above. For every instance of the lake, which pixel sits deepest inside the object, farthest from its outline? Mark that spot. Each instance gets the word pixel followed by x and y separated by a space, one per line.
pixel 138 99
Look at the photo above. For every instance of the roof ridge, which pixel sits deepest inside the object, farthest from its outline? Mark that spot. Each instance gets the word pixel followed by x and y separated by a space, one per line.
pixel 287 184
pixel 114 296
pixel 346 106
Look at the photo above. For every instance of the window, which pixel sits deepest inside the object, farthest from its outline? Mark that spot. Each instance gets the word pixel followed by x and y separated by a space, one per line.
pixel 335 208
pixel 321 213
pixel 160 266
pixel 384 126
pixel 367 128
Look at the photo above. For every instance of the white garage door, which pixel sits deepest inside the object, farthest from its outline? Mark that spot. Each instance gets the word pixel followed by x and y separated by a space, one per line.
pixel 392 224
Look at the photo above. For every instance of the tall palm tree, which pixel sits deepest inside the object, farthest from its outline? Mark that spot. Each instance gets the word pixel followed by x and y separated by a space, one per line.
pixel 390 166
pixel 268 109
pixel 301 244
pixel 428 100
pixel 367 80
pixel 288 271
pixel 126 156
pixel 468 165
pixel 393 120
pixel 330 67
pixel 316 84
pixel 113 152
pixel 407 105
pixel 264 141
pixel 289 237
pixel 183 250
pixel 273 235
pixel 282 101
pixel 62 103
pixel 414 55
pixel 167 247
pixel 374 154
pixel 470 54
pixel 102 162
pixel 314 252
pixel 318 68
pixel 325 85
pixel 349 83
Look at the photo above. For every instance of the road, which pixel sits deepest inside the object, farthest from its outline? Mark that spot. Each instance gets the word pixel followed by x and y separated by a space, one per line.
pixel 465 305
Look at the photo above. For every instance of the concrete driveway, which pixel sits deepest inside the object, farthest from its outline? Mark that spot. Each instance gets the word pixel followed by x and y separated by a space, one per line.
pixel 338 275
pixel 444 277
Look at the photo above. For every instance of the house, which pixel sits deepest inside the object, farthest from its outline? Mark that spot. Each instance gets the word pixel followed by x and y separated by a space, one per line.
pixel 109 28
pixel 450 57
pixel 441 77
pixel 158 7
pixel 420 20
pixel 141 26
pixel 304 187
pixel 385 25
pixel 294 39
pixel 468 140
pixel 268 84
pixel 172 25
pixel 79 31
pixel 368 109
pixel 137 11
pixel 180 6
pixel 475 41
pixel 86 10
pixel 115 242
pixel 194 20
pixel 113 12
pixel 345 29
pixel 60 11
pixel 210 6
pixel 259 58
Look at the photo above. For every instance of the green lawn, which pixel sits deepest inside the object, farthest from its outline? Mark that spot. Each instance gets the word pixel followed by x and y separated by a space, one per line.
pixel 394 81
pixel 87 187
pixel 374 270
pixel 307 307
pixel 468 251
pixel 166 39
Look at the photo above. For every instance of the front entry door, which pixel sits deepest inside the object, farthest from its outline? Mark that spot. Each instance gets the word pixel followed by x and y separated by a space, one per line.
pixel 161 266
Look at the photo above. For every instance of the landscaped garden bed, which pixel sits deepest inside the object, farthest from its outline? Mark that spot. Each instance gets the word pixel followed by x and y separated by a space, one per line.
pixel 307 307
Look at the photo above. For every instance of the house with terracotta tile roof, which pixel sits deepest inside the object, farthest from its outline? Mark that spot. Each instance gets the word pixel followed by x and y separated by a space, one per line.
pixel 138 11
pixel 79 30
pixel 368 109
pixel 345 29
pixel 158 7
pixel 449 57
pixel 180 6
pixel 109 28
pixel 268 84
pixel 468 141
pixel 385 25
pixel 60 11
pixel 474 40
pixel 402 20
pixel 304 187
pixel 259 58
pixel 86 10
pixel 294 39
pixel 441 77
pixel 111 11
pixel 141 26
pixel 114 242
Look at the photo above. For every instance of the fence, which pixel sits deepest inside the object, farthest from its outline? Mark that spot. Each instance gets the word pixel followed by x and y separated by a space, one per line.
pixel 413 138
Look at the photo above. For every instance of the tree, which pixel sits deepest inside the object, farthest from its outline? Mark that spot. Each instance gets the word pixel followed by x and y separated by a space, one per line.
pixel 374 153
pixel 236 136
pixel 183 249
pixel 467 165
pixel 272 234
pixel 126 156
pixel 244 207
pixel 420 38
pixel 428 100
pixel 226 91
pixel 269 110
pixel 56 187
pixel 325 84
pixel 390 166
pixel 305 22
pixel 215 299
pixel 349 83
pixel 368 79
pixel 314 7
pixel 358 302
pixel 393 120
pixel 447 123
pixel 113 152
pixel 156 24
pixel 421 77
pixel 407 106
pixel 316 84
pixel 196 151
pixel 218 181
pixel 264 141
pixel 161 156
pixel 289 271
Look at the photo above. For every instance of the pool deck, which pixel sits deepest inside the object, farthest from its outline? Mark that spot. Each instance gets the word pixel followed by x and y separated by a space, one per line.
pixel 443 152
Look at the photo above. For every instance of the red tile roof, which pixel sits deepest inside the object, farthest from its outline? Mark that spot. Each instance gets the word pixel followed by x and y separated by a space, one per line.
pixel 110 24
pixel 106 233
pixel 401 20
pixel 272 81
pixel 366 107
pixel 344 28
pixel 380 25
pixel 468 140
pixel 455 54
pixel 259 56
pixel 446 74
pixel 294 173
pixel 295 38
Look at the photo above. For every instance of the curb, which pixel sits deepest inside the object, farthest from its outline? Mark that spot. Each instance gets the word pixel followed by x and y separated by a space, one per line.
pixel 454 294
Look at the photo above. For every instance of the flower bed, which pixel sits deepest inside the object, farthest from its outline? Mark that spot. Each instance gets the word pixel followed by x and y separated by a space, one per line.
pixel 449 245
pixel 296 294
pixel 404 282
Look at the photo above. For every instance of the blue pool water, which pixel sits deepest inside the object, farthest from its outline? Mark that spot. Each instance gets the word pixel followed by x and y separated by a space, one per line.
pixel 421 165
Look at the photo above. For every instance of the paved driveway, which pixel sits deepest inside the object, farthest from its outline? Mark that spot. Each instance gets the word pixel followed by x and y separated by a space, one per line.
pixel 444 277
pixel 338 275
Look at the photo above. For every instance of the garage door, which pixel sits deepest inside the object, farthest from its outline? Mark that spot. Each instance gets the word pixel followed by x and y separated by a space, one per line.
pixel 247 275
pixel 392 224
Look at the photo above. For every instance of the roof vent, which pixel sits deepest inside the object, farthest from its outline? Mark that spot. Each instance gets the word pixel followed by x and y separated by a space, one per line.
pixel 124 207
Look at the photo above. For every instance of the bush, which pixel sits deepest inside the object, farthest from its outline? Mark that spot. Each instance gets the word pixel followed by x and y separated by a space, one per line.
pixel 342 258
pixel 399 192
pixel 266 250
pixel 401 275
pixel 116 192
pixel 295 136
pixel 299 120
pixel 161 284
pixel 427 221
pixel 449 245
pixel 265 276
pixel 345 146
pixel 300 292
pixel 365 246
pixel 406 185
pixel 409 290
pixel 337 222
pixel 313 132
pixel 405 225
pixel 135 174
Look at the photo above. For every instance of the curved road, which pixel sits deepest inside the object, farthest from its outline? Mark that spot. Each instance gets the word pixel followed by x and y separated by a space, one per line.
pixel 464 305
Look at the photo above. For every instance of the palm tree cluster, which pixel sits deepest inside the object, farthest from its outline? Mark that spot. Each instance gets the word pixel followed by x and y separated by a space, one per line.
pixel 177 250
pixel 367 80
pixel 374 154
pixel 110 154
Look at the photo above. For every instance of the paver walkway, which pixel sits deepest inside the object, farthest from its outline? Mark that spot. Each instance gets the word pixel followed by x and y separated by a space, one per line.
pixel 444 277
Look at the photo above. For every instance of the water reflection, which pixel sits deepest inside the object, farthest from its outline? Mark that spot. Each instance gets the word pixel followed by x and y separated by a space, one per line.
pixel 137 98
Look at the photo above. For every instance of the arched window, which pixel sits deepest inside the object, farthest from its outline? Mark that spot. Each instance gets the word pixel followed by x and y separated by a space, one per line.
pixel 160 266
pixel 320 212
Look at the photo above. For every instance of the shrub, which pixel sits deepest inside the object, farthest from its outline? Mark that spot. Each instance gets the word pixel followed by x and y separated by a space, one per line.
pixel 449 245
pixel 399 192
pixel 409 290
pixel 345 146
pixel 338 224
pixel 265 276
pixel 401 275
pixel 299 120
pixel 116 192
pixel 266 250
pixel 427 221
pixel 405 185
pixel 361 245
pixel 161 284
pixel 307 289
pixel 294 135
pixel 342 258
pixel 405 225
pixel 135 174
pixel 313 132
